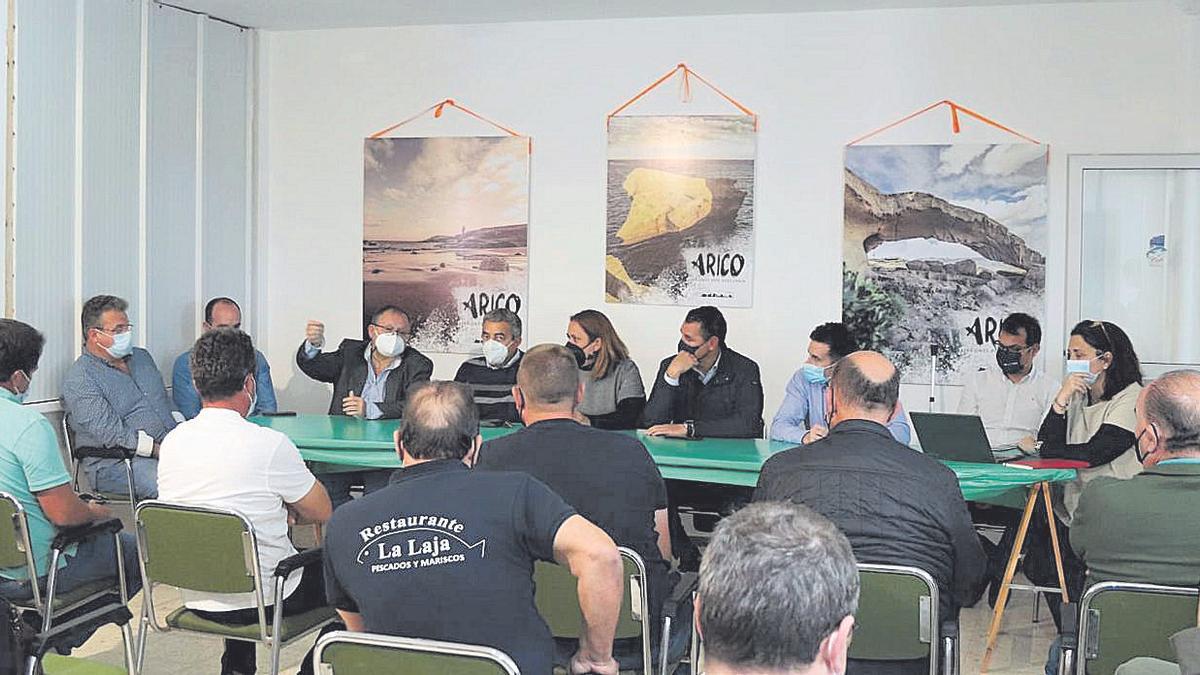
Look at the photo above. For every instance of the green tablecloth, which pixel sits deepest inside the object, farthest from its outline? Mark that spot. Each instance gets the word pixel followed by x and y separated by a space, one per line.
pixel 350 441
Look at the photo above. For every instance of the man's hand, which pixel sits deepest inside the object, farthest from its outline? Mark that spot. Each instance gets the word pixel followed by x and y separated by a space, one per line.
pixel 1028 445
pixel 354 406
pixel 814 434
pixel 99 511
pixel 314 334
pixel 581 664
pixel 683 362
pixel 671 430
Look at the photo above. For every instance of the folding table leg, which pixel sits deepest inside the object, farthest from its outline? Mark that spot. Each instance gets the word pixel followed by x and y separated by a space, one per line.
pixel 1058 563
pixel 1009 571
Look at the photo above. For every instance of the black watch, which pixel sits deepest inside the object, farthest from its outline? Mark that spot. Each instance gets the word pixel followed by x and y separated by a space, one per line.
pixel 691 428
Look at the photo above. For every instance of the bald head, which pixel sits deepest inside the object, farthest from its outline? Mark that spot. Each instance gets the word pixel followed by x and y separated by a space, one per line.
pixel 548 379
pixel 865 385
pixel 1172 404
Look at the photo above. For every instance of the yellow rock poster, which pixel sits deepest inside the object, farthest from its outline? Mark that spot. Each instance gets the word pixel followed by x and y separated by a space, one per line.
pixel 680 221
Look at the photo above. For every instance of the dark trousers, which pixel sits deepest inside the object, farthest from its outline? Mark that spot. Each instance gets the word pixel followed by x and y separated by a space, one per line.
pixel 239 656
pixel 719 499
pixel 338 485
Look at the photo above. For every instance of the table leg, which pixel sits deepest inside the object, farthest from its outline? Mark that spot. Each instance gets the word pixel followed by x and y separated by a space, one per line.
pixel 1058 563
pixel 1009 571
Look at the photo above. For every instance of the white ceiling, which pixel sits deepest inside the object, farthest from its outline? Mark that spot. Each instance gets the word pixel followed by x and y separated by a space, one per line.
pixel 317 14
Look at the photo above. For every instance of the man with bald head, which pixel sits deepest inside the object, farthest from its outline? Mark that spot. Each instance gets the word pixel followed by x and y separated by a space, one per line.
pixel 895 505
pixel 608 477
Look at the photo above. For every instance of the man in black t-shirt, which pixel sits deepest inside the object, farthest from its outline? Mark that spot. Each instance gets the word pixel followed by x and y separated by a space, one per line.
pixel 607 476
pixel 447 553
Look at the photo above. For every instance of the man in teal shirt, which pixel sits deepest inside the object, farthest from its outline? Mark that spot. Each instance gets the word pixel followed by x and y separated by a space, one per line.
pixel 32 471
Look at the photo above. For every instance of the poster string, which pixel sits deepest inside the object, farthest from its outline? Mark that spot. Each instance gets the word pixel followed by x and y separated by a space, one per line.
pixel 955 126
pixel 438 108
pixel 685 92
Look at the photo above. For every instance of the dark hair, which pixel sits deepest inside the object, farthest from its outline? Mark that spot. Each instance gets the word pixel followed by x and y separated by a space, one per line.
pixel 777 578
pixel 836 336
pixel 1105 336
pixel 20 348
pixel 440 420
pixel 711 321
pixel 212 304
pixel 1014 323
pixel 612 349
pixel 548 376
pixel 385 309
pixel 94 309
pixel 862 391
pixel 220 361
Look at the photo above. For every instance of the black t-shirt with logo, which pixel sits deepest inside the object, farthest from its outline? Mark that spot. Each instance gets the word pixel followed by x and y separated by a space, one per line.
pixel 608 476
pixel 447 553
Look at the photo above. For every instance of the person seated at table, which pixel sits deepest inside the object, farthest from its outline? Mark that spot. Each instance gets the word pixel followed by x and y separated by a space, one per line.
pixel 220 313
pixel 1012 398
pixel 895 505
pixel 32 472
pixel 261 476
pixel 778 591
pixel 492 376
pixel 801 417
pixel 447 553
pixel 613 394
pixel 114 397
pixel 627 499
pixel 370 378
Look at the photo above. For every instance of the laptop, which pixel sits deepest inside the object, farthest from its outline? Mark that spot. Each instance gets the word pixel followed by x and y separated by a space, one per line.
pixel 959 438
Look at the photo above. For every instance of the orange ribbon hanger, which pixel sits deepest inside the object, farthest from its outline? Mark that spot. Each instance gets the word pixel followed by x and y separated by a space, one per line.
pixel 955 109
pixel 685 92
pixel 438 108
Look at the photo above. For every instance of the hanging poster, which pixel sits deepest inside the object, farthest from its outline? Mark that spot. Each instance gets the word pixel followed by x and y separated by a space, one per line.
pixel 444 233
pixel 680 213
pixel 941 243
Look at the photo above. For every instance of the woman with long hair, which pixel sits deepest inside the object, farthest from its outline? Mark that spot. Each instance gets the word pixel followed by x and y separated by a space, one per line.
pixel 613 392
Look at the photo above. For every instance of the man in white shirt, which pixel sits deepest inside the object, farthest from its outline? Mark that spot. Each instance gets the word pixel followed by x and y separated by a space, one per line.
pixel 1012 399
pixel 218 459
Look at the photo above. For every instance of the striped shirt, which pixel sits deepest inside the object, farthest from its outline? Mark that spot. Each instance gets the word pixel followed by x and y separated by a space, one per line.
pixel 492 387
pixel 107 407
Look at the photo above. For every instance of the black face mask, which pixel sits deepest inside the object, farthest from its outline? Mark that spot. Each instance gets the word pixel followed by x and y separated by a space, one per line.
pixel 685 347
pixel 1008 360
pixel 581 359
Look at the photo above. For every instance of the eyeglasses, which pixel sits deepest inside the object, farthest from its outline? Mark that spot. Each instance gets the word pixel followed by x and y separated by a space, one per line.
pixel 393 329
pixel 1015 350
pixel 116 330
pixel 1103 329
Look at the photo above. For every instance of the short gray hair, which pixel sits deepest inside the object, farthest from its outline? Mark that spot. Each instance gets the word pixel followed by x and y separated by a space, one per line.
pixel 549 376
pixel 440 420
pixel 502 315
pixel 858 389
pixel 1172 404
pixel 776 579
pixel 95 308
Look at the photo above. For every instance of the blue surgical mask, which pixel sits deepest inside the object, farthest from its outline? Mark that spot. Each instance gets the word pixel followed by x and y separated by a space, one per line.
pixel 1083 366
pixel 814 374
pixel 122 345
pixel 24 395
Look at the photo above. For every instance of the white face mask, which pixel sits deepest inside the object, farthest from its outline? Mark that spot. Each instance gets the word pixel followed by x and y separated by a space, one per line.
pixel 494 353
pixel 253 400
pixel 390 345
pixel 122 345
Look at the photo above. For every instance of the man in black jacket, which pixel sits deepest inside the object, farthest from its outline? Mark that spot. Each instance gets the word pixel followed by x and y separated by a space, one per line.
pixel 370 380
pixel 895 505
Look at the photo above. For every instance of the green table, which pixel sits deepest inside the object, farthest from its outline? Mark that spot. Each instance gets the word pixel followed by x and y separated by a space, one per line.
pixel 349 441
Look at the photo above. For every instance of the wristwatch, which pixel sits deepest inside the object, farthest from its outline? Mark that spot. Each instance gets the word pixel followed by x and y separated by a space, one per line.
pixel 691 428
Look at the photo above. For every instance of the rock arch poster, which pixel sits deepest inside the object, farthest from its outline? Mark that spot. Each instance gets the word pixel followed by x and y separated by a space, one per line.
pixel 444 233
pixel 941 243
pixel 680 216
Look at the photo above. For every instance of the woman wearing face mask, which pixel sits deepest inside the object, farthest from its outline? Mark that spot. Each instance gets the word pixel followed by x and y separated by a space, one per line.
pixel 613 393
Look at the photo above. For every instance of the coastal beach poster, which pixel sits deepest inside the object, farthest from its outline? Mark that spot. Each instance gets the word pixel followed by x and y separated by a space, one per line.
pixel 680 216
pixel 941 243
pixel 444 233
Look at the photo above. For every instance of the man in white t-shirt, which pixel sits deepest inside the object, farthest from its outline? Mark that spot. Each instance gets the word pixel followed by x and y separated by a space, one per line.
pixel 1013 398
pixel 218 459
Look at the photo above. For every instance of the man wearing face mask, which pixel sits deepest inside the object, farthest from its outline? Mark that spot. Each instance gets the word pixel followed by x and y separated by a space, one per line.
pixel 262 477
pixel 493 375
pixel 220 313
pixel 370 379
pixel 802 416
pixel 115 398
pixel 1012 398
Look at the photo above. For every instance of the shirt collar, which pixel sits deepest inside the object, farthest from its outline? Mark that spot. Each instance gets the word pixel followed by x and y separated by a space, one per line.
pixel 106 362
pixel 215 413
pixel 428 468
pixel 8 395
pixel 861 425
pixel 367 356
pixel 708 376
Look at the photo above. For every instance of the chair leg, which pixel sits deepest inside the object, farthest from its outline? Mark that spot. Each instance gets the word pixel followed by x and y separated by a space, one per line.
pixel 1037 596
pixel 127 638
pixel 132 491
pixel 275 646
pixel 142 630
pixel 664 645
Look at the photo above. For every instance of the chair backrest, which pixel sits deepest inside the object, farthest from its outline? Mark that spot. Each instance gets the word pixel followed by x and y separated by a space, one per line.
pixel 1119 621
pixel 67 433
pixel 558 601
pixel 345 653
pixel 15 548
pixel 897 615
pixel 196 548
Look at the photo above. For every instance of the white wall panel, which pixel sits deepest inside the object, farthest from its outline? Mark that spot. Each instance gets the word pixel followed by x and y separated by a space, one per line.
pixel 44 188
pixel 171 183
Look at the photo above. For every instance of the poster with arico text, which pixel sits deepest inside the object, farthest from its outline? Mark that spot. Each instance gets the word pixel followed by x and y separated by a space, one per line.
pixel 941 243
pixel 445 233
pixel 680 210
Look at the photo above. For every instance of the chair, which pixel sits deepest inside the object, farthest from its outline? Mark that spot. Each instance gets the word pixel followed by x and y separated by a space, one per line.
pixel 214 551
pixel 79 454
pixel 558 603
pixel 53 664
pixel 897 619
pixel 346 653
pixel 52 612
pixel 1119 621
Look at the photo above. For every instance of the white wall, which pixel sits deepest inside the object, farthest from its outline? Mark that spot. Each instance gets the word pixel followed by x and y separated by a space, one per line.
pixel 1082 77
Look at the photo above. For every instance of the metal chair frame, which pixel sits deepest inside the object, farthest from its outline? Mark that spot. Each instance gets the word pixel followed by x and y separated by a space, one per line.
pixel 1089 619
pixel 408 644
pixel 76 465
